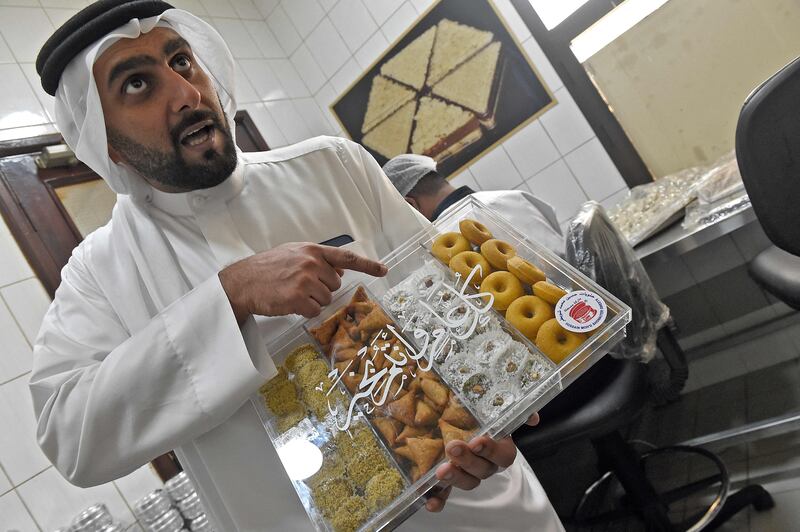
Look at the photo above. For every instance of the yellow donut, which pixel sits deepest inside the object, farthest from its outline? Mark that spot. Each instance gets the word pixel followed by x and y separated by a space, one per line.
pixel 556 342
pixel 504 287
pixel 464 262
pixel 525 271
pixel 527 314
pixel 497 253
pixel 474 231
pixel 448 245
pixel 549 292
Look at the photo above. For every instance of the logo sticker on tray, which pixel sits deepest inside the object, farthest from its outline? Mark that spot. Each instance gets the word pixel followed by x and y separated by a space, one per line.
pixel 581 311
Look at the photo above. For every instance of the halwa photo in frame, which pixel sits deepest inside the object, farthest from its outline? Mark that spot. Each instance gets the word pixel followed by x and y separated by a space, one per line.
pixel 452 87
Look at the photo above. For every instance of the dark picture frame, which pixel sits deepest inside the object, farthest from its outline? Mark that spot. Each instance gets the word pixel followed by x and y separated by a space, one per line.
pixel 518 95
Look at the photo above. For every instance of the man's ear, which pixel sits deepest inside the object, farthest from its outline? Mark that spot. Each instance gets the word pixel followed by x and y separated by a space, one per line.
pixel 413 202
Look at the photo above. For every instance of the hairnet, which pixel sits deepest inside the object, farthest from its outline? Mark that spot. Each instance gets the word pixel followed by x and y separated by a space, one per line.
pixel 79 113
pixel 405 171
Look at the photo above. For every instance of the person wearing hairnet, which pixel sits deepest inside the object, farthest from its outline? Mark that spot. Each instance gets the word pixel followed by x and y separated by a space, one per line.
pixel 416 178
pixel 157 334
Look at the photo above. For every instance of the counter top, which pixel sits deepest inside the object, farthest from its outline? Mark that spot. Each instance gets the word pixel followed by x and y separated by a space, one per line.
pixel 676 240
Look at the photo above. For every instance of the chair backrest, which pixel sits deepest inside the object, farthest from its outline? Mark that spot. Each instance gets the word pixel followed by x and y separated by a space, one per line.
pixel 597 248
pixel 768 152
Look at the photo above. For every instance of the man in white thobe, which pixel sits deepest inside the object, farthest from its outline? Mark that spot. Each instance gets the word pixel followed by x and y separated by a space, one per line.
pixel 157 335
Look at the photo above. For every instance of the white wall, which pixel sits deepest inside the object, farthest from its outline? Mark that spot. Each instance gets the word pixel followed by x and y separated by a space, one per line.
pixel 294 58
pixel 677 79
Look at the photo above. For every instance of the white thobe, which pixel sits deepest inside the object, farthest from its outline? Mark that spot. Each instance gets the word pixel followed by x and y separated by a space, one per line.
pixel 529 215
pixel 115 383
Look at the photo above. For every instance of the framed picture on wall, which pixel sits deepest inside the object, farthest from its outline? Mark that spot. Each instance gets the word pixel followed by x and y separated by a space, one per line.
pixel 452 87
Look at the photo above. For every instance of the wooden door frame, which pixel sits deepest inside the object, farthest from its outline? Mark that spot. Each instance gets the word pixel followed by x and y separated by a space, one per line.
pixel 15 209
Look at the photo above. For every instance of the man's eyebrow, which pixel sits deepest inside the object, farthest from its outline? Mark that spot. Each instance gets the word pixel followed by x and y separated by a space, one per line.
pixel 170 47
pixel 129 64
pixel 175 44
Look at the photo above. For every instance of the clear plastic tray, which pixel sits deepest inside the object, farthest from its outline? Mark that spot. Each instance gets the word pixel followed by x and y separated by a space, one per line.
pixel 414 359
pixel 310 442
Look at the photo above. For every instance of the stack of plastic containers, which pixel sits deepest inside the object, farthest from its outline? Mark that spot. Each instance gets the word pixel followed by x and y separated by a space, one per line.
pixel 95 518
pixel 155 512
pixel 182 491
pixel 201 524
pixel 172 521
pixel 177 509
pixel 192 510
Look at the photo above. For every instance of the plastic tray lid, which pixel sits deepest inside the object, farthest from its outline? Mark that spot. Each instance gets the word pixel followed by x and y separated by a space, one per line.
pixel 401 262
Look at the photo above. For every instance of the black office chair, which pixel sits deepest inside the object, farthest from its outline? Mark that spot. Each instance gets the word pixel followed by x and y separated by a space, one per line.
pixel 609 396
pixel 768 153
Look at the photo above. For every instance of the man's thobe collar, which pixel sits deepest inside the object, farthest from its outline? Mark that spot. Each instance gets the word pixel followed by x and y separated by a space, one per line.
pixel 187 203
pixel 456 195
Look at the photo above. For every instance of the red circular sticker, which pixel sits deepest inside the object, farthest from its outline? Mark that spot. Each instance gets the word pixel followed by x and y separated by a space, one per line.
pixel 581 311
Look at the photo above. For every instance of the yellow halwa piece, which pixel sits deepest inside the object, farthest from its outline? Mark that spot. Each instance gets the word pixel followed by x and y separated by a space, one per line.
pixel 350 515
pixel 317 402
pixel 277 380
pixel 312 374
pixel 332 467
pixel 343 441
pixel 364 438
pixel 329 494
pixel 300 357
pixel 319 382
pixel 358 437
pixel 365 464
pixel 383 488
pixel 291 419
pixel 281 398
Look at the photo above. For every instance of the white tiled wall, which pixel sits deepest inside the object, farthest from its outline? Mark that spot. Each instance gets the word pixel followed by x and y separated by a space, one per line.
pixel 331 42
pixel 294 57
pixel 33 496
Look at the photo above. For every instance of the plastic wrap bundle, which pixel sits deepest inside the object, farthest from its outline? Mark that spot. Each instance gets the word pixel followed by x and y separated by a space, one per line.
pixel 649 208
pixel 720 180
pixel 597 248
pixel 720 194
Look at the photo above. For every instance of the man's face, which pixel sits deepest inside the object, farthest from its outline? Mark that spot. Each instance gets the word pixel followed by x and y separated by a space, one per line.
pixel 163 117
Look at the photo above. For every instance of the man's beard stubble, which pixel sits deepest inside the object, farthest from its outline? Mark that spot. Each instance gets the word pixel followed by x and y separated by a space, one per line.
pixel 170 168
